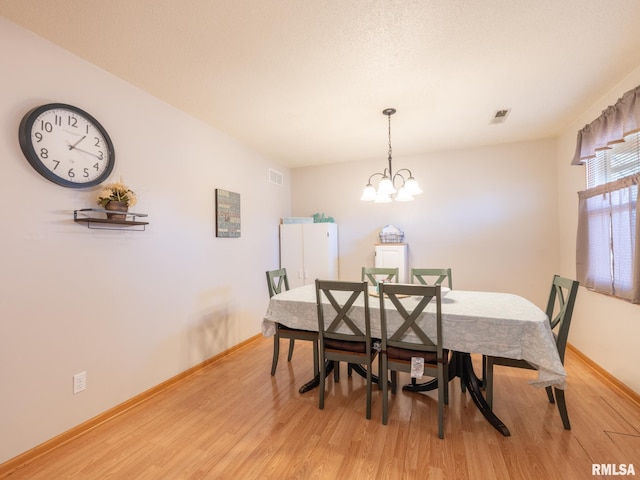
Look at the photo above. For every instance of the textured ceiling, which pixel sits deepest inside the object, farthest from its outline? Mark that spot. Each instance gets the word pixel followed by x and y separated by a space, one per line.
pixel 305 82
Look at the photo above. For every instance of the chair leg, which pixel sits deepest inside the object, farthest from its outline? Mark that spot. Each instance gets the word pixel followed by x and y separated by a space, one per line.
pixel 383 374
pixel 550 394
pixel 349 369
pixel 394 381
pixel 484 371
pixel 488 377
pixel 441 397
pixel 316 370
pixel 336 372
pixel 292 342
pixel 562 408
pixel 369 387
pixel 323 374
pixel 445 383
pixel 276 352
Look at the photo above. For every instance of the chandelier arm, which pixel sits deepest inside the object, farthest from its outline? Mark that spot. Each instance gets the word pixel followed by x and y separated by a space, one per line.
pixel 404 170
pixel 398 174
pixel 377 173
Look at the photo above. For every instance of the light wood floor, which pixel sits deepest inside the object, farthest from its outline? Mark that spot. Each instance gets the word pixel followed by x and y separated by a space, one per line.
pixel 232 420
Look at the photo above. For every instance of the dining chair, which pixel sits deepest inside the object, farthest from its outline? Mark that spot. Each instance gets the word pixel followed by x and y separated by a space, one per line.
pixel 425 276
pixel 340 339
pixel 399 353
pixel 371 273
pixel 277 282
pixel 559 311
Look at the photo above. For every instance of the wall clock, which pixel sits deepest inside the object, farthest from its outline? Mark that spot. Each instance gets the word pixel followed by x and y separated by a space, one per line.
pixel 66 145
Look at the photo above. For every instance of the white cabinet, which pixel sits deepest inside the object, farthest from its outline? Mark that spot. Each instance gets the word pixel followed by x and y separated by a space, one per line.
pixel 393 255
pixel 309 251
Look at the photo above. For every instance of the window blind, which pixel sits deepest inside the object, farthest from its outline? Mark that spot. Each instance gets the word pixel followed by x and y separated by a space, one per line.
pixel 617 161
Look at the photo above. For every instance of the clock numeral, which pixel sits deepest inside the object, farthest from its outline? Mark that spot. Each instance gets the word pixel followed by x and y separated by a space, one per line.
pixel 71 173
pixel 57 162
pixel 38 136
pixel 100 155
pixel 97 144
pixel 46 126
pixel 86 173
pixel 96 166
pixel 73 121
pixel 44 153
pixel 58 120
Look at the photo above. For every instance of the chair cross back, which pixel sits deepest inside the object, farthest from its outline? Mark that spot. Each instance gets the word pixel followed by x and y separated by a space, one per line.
pixel 558 293
pixel 442 274
pixel 342 311
pixel 276 279
pixel 370 274
pixel 409 318
pixel 563 294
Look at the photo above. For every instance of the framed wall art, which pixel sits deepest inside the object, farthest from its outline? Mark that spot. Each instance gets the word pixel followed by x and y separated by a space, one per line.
pixel 227 214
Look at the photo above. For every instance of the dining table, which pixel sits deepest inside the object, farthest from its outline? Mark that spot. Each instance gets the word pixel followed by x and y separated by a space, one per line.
pixel 488 323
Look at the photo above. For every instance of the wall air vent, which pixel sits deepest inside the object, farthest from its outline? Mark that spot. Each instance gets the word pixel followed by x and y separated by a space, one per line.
pixel 500 116
pixel 276 177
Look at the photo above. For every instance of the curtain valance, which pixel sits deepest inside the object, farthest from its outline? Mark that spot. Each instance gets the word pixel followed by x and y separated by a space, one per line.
pixel 612 126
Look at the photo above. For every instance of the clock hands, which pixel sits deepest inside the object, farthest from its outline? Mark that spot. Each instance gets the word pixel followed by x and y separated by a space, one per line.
pixel 71 147
pixel 89 153
pixel 74 147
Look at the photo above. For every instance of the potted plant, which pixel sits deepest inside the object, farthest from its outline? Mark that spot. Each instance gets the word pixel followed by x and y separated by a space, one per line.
pixel 116 196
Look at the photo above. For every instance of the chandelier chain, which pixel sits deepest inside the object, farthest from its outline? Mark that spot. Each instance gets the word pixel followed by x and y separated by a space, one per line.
pixel 389 118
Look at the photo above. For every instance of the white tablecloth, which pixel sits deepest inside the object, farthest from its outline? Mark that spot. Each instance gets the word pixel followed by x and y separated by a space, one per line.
pixel 499 324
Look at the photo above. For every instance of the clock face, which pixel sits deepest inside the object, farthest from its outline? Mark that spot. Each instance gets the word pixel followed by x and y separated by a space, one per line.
pixel 66 145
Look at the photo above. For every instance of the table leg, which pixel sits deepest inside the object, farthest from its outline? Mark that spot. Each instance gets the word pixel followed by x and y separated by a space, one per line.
pixel 461 366
pixel 360 370
pixel 310 385
pixel 473 385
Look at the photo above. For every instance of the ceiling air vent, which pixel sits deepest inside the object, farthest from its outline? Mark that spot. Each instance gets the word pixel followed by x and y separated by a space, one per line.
pixel 500 116
pixel 276 177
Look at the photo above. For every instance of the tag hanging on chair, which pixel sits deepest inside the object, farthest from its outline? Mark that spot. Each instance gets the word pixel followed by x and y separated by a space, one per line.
pixel 417 367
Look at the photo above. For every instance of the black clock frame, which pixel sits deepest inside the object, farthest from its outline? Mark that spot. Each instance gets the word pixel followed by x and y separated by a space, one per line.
pixel 24 136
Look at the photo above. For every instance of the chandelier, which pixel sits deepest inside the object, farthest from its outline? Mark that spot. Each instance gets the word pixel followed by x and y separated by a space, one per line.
pixel 387 185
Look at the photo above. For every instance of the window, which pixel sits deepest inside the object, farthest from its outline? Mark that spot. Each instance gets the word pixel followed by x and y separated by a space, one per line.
pixel 608 241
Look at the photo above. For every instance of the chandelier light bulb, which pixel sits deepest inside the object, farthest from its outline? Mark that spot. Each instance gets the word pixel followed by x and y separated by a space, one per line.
pixel 386 187
pixel 404 195
pixel 382 198
pixel 369 193
pixel 412 186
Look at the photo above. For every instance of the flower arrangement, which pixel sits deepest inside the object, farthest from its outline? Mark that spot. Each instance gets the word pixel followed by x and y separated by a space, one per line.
pixel 117 192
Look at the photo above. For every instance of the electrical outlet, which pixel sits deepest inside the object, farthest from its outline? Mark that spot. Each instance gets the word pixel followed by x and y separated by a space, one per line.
pixel 79 382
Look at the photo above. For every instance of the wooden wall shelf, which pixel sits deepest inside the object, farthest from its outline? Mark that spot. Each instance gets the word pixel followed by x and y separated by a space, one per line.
pixel 83 215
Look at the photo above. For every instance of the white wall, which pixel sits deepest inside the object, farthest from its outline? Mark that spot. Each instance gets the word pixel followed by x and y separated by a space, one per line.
pixel 132 309
pixel 488 213
pixel 604 328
